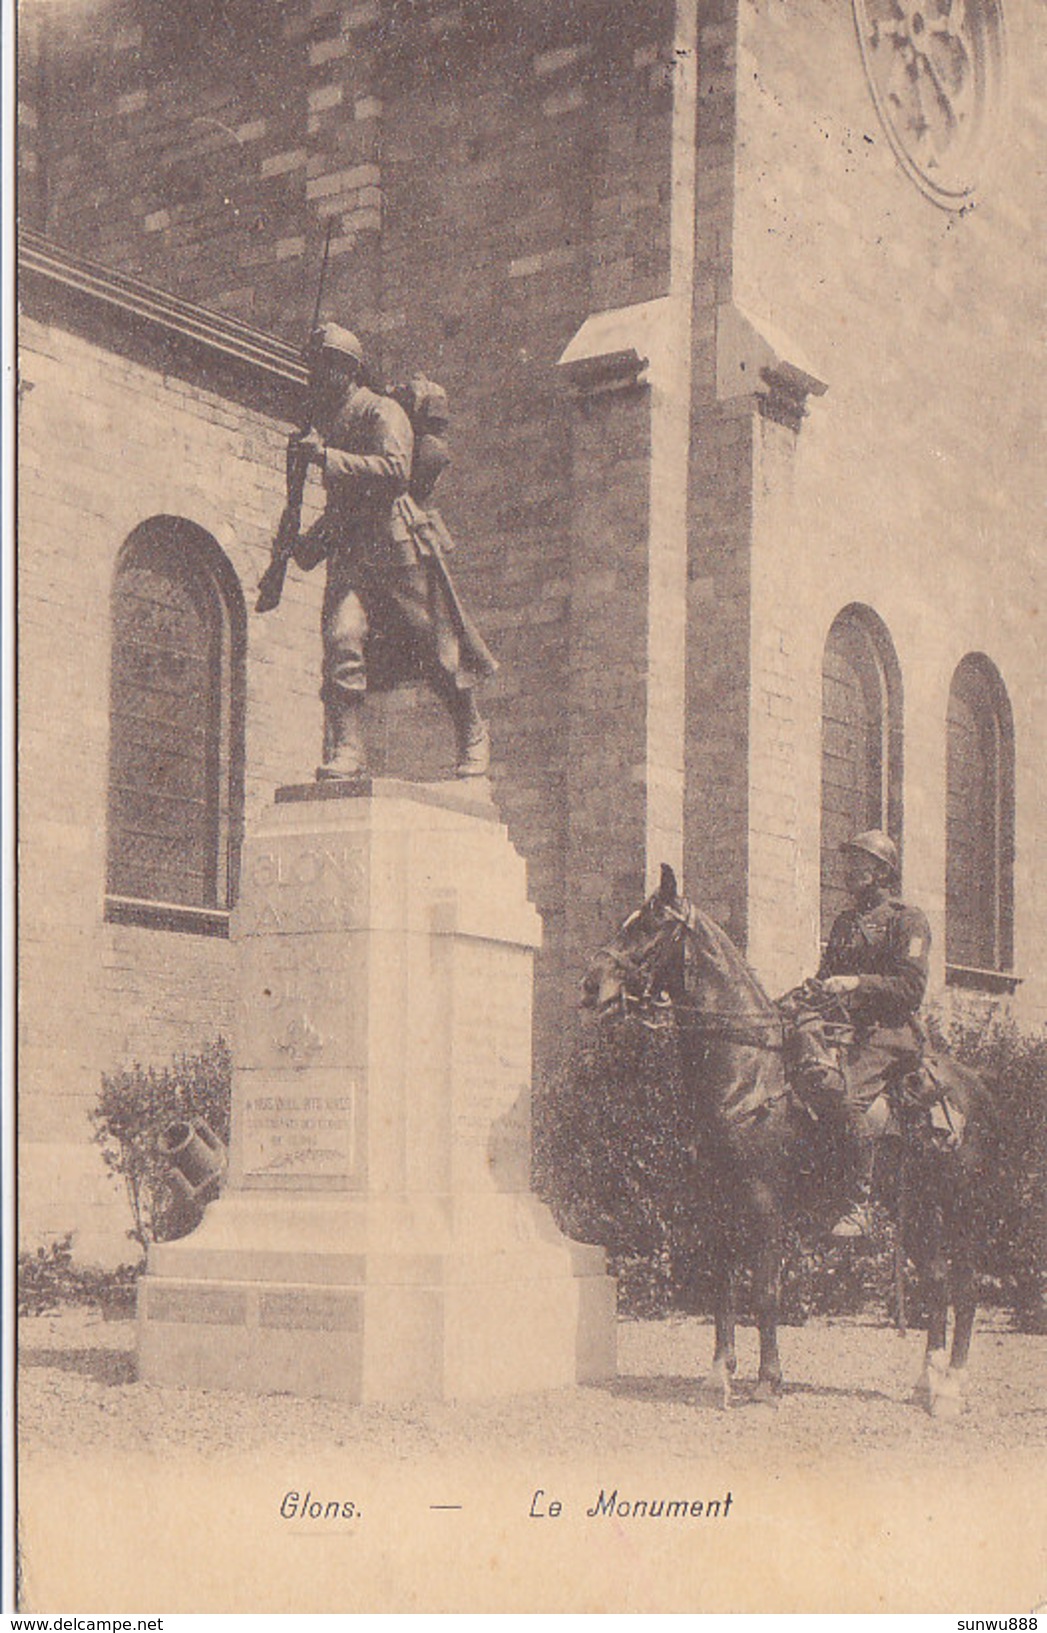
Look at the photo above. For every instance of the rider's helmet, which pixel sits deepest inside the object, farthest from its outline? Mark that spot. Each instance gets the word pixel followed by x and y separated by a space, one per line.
pixel 879 846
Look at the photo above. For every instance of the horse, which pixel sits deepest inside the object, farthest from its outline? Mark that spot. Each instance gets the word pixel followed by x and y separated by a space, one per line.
pixel 670 959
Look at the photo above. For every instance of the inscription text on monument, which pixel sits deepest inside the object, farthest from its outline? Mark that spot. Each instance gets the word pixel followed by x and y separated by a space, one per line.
pixel 293 1132
pixel 288 889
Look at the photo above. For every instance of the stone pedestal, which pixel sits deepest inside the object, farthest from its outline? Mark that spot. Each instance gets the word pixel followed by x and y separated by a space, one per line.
pixel 377 1239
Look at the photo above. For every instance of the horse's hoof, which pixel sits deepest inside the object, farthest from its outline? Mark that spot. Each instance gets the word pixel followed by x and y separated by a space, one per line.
pixel 947 1408
pixel 947 1402
pixel 931 1381
pixel 768 1392
pixel 715 1392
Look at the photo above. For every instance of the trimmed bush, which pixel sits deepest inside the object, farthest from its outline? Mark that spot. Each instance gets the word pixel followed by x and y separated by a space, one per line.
pixel 48 1280
pixel 1014 1067
pixel 612 1158
pixel 134 1109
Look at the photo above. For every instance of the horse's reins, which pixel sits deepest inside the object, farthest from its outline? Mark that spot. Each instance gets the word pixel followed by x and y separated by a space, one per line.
pixel 720 1025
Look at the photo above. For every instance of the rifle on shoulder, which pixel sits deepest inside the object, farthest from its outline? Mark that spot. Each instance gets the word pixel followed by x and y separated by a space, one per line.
pixel 271 584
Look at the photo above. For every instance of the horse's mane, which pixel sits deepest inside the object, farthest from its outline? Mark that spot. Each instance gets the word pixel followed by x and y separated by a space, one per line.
pixel 719 950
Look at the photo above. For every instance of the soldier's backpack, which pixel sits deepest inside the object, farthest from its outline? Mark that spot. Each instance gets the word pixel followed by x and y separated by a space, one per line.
pixel 425 404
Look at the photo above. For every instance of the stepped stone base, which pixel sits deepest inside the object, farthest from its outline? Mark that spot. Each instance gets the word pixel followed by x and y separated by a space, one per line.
pixel 307 1314
pixel 377 1240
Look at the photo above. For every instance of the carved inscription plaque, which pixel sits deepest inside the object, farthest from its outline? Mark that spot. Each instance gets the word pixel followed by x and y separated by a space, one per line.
pixel 215 1307
pixel 299 1126
pixel 300 1003
pixel 293 884
pixel 320 1312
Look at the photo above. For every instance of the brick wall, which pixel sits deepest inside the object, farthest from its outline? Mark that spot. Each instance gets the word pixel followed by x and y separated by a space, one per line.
pixel 105 444
pixel 720 521
pixel 503 149
pixel 495 174
pixel 912 487
pixel 605 718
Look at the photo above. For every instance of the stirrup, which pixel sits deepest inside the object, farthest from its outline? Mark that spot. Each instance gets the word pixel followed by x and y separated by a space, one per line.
pixel 818 1081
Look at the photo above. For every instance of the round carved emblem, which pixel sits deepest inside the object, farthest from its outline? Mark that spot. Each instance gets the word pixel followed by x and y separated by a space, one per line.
pixel 935 69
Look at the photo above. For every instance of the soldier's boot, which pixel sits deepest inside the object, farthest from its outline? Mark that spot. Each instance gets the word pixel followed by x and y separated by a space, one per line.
pixel 811 1065
pixel 818 1082
pixel 856 1221
pixel 345 756
pixel 472 738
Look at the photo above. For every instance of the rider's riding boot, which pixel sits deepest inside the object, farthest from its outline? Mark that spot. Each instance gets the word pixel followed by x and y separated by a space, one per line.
pixel 856 1222
pixel 344 753
pixel 819 1082
pixel 811 1064
pixel 472 737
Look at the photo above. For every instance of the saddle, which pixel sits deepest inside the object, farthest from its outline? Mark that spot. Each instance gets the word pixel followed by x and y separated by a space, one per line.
pixel 936 1094
pixel 927 1096
pixel 915 1107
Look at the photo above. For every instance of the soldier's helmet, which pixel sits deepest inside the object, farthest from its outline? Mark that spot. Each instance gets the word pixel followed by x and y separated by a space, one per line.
pixel 879 846
pixel 331 337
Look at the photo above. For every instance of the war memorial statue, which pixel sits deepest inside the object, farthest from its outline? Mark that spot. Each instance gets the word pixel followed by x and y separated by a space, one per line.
pixel 377 1237
pixel 391 614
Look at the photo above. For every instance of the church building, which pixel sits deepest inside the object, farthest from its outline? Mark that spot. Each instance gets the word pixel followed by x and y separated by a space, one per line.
pixel 737 305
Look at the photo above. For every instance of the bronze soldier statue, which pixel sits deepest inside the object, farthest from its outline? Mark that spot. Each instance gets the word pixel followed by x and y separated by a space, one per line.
pixel 875 965
pixel 390 610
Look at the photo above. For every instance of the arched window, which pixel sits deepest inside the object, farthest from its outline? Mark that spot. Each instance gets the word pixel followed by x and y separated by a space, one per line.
pixel 861 743
pixel 979 833
pixel 176 729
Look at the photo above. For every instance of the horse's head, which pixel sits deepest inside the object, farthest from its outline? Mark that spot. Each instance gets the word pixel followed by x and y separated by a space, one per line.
pixel 667 951
pixel 644 962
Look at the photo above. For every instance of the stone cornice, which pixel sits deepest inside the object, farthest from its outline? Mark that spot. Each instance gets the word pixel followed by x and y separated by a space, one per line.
pixel 617 349
pixel 174 334
pixel 755 363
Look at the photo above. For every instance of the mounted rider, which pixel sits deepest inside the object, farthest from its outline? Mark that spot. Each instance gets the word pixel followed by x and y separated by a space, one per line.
pixel 875 968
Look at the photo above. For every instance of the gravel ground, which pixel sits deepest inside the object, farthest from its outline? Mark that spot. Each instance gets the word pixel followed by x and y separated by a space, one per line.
pixel 844 1497
pixel 848 1383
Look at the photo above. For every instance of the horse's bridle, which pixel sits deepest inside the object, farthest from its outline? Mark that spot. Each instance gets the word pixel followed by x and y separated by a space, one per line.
pixel 655 1009
pixel 652 1009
